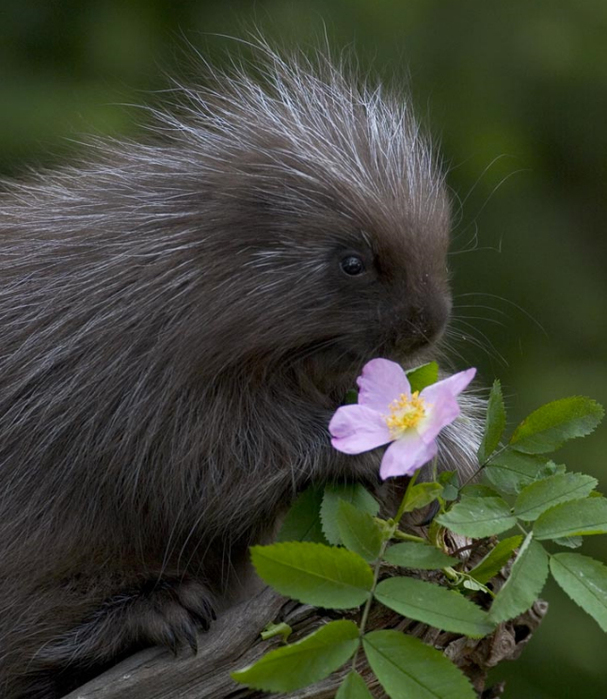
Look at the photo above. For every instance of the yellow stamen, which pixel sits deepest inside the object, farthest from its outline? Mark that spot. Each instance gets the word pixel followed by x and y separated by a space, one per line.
pixel 405 412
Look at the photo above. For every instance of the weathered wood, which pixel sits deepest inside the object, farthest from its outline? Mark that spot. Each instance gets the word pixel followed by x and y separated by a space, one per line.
pixel 234 642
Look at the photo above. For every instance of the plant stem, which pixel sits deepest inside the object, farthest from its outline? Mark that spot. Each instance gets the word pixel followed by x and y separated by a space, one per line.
pixel 487 461
pixel 367 608
pixel 408 537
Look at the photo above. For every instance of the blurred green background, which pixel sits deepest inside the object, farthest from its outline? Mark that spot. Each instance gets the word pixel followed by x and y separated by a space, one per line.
pixel 516 93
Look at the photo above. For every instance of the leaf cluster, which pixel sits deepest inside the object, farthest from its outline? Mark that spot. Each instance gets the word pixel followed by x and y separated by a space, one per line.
pixel 333 546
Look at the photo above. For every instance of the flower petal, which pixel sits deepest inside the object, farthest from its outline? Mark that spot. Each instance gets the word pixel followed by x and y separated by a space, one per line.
pixel 406 455
pixel 381 382
pixel 452 386
pixel 441 402
pixel 356 428
pixel 440 415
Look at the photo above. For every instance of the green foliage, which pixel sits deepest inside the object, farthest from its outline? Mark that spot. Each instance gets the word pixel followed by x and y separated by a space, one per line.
pixel 408 668
pixel 355 494
pixel 434 605
pixel 540 496
pixel 495 423
pixel 525 584
pixel 522 487
pixel 315 574
pixel 495 560
pixel 297 665
pixel 420 495
pixel 574 518
pixel 585 581
pixel 550 426
pixel 423 376
pixel 303 522
pixel 450 482
pixel 353 687
pixel 511 471
pixel 417 555
pixel 478 517
pixel 358 531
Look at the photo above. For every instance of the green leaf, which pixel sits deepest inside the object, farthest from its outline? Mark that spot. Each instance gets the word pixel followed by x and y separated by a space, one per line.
pixel 324 576
pixel 478 517
pixel 477 490
pixel 353 687
pixel 585 581
pixel 511 471
pixel 573 518
pixel 355 494
pixel 495 423
pixel 420 495
pixel 550 426
pixel 423 376
pixel 495 560
pixel 302 522
pixel 359 531
pixel 434 605
pixel 408 668
pixel 542 495
pixel 571 542
pixel 351 397
pixel 312 659
pixel 418 556
pixel 450 482
pixel 525 584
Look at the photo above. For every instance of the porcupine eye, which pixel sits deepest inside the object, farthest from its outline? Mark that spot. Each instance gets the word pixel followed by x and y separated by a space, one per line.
pixel 352 265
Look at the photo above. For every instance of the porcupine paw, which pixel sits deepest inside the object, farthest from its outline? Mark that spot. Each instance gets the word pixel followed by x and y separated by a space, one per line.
pixel 166 611
pixel 170 612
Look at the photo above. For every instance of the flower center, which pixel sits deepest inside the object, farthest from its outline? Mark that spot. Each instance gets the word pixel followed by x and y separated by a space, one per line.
pixel 405 412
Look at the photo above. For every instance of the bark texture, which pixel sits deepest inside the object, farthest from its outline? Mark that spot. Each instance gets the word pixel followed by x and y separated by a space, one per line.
pixel 234 642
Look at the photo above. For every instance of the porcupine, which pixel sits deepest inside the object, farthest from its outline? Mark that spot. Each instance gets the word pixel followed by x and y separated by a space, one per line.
pixel 180 318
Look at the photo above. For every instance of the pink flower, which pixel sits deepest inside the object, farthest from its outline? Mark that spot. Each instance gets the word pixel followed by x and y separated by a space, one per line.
pixel 387 411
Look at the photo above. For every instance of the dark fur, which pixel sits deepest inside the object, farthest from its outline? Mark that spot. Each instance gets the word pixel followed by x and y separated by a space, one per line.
pixel 176 332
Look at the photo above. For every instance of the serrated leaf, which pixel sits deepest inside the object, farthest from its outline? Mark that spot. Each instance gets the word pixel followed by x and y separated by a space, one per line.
pixel 302 522
pixel 418 556
pixel 359 531
pixel 408 668
pixel 325 576
pixel 540 496
pixel 525 584
pixel 478 490
pixel 297 665
pixel 434 605
pixel 495 423
pixel 495 560
pixel 573 518
pixel 511 471
pixel 353 687
pixel 571 542
pixel 550 426
pixel 355 494
pixel 450 482
pixel 422 376
pixel 473 585
pixel 420 495
pixel 585 581
pixel 478 517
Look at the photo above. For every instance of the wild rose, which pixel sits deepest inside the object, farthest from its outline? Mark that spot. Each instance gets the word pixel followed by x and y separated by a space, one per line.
pixel 387 411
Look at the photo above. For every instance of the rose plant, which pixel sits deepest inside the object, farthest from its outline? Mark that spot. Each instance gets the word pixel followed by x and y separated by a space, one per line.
pixel 332 546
